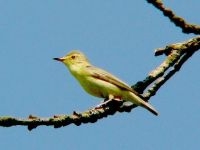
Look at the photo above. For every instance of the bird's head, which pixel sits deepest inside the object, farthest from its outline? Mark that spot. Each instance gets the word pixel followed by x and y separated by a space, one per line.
pixel 74 57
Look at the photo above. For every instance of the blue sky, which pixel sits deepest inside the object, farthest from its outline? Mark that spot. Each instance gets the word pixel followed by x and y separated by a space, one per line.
pixel 119 36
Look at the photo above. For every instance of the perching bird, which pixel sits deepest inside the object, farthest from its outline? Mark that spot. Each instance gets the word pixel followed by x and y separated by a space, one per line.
pixel 99 82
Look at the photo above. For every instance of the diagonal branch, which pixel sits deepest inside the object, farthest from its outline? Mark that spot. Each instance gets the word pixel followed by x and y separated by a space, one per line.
pixel 176 55
pixel 178 21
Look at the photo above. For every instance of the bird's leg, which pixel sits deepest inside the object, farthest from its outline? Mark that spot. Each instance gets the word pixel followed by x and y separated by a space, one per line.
pixel 108 100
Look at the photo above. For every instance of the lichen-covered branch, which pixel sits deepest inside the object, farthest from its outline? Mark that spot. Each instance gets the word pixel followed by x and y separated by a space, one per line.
pixel 178 21
pixel 176 55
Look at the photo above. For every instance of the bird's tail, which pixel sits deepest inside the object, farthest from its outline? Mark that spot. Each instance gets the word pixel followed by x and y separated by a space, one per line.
pixel 149 107
pixel 139 101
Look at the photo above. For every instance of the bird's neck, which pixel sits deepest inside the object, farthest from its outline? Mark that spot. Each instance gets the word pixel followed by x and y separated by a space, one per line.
pixel 78 68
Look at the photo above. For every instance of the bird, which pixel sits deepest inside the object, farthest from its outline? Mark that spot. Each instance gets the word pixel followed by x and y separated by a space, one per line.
pixel 100 83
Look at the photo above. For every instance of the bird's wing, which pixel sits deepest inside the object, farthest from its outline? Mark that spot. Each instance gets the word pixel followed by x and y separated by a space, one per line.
pixel 105 76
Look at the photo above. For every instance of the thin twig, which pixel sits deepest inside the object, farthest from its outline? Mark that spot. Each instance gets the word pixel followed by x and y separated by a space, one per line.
pixel 178 21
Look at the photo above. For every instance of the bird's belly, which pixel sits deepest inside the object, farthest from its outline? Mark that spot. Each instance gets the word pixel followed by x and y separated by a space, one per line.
pixel 100 88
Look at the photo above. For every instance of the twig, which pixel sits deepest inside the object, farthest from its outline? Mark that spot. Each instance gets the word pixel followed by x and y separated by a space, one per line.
pixel 178 21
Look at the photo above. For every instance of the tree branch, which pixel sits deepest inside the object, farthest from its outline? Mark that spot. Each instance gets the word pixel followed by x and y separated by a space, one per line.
pixel 177 54
pixel 178 21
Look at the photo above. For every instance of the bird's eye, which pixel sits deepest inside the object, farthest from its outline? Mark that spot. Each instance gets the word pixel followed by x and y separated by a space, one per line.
pixel 73 57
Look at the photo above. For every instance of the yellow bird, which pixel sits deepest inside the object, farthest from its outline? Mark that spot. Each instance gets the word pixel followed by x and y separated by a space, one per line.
pixel 99 82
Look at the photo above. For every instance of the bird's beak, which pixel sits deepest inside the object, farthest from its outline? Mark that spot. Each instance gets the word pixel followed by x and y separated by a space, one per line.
pixel 59 59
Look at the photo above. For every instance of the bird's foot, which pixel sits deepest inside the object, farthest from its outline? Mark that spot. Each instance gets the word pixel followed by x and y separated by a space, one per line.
pixel 108 102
